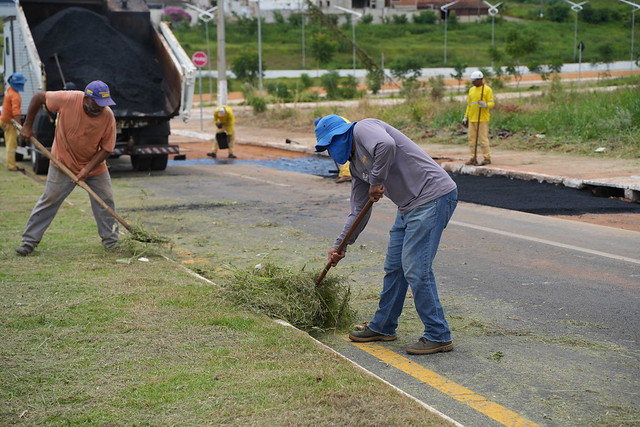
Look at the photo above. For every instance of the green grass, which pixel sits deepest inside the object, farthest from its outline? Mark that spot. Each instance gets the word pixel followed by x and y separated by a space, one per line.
pixel 576 122
pixel 85 339
pixel 467 43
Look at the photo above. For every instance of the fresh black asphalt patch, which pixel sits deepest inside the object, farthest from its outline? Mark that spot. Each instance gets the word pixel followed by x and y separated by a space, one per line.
pixel 536 197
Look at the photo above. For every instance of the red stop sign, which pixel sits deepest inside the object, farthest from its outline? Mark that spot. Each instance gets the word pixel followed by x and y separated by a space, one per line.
pixel 199 59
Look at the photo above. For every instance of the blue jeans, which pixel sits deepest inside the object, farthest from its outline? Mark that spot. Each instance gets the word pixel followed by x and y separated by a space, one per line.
pixel 413 243
pixel 56 190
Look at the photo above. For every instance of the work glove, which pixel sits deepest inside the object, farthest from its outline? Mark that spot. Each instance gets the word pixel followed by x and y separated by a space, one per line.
pixel 482 104
pixel 219 125
pixel 465 121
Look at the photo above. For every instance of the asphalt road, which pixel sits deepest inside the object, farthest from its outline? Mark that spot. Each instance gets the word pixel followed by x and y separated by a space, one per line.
pixel 544 312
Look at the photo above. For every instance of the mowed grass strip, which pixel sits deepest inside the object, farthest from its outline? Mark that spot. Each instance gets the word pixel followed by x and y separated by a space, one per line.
pixel 88 339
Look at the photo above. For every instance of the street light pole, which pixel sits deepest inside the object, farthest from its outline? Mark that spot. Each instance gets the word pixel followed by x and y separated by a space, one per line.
pixel 353 32
pixel 259 48
pixel 576 7
pixel 446 15
pixel 633 24
pixel 302 16
pixel 259 15
pixel 493 11
pixel 222 60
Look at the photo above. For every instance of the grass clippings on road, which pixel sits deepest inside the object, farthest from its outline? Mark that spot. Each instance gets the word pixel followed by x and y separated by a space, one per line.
pixel 85 339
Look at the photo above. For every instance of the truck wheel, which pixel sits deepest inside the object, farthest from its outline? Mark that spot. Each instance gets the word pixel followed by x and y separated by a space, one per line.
pixel 159 163
pixel 39 163
pixel 141 163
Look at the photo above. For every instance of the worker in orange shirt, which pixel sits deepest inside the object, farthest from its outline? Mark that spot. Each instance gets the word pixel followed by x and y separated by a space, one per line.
pixel 12 110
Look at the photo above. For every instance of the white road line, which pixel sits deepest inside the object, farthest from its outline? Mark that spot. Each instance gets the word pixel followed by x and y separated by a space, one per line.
pixel 548 242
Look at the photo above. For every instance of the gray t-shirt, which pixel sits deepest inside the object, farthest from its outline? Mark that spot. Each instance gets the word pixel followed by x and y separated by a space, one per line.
pixel 385 156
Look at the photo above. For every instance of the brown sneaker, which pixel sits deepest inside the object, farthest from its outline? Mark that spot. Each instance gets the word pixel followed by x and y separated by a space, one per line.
pixel 367 335
pixel 424 346
pixel 485 162
pixel 472 162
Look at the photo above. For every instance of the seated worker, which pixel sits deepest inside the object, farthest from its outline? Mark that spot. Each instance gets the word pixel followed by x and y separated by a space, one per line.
pixel 225 122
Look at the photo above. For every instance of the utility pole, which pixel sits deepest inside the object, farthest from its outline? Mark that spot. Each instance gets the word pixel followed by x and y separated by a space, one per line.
pixel 222 61
pixel 633 24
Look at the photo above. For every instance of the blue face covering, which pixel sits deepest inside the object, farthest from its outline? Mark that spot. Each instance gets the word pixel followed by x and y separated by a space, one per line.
pixel 340 147
pixel 335 134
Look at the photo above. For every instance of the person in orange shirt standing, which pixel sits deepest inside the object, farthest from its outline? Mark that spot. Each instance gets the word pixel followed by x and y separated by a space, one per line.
pixel 12 110
pixel 85 137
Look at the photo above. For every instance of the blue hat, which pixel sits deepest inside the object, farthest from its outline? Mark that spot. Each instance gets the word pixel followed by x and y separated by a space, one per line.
pixel 334 134
pixel 99 92
pixel 17 81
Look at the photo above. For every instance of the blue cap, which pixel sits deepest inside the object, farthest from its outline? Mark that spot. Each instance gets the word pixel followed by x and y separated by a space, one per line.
pixel 334 133
pixel 17 81
pixel 99 92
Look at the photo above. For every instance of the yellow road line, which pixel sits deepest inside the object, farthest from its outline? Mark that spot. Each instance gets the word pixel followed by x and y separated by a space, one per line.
pixel 462 394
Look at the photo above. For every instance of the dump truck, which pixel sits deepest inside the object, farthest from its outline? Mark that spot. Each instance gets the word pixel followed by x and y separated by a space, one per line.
pixel 151 78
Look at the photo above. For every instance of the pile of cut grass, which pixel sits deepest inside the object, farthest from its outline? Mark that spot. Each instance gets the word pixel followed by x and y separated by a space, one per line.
pixel 293 296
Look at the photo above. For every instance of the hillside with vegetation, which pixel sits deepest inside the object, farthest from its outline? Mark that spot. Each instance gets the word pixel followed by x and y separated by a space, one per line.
pixel 563 119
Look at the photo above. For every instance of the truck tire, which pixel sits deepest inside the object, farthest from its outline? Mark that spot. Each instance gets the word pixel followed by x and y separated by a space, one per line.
pixel 44 130
pixel 159 163
pixel 141 163
pixel 39 162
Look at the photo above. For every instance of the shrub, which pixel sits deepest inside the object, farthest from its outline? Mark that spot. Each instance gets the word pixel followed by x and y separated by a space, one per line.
pixel 176 14
pixel 425 17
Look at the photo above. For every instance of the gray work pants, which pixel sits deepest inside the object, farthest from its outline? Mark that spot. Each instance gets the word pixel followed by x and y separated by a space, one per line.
pixel 57 188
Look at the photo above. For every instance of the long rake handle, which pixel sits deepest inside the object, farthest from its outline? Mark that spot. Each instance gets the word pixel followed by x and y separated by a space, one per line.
pixel 71 175
pixel 344 241
pixel 475 148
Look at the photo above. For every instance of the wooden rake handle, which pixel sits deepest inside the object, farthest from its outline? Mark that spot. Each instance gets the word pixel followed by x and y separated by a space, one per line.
pixel 71 175
pixel 344 241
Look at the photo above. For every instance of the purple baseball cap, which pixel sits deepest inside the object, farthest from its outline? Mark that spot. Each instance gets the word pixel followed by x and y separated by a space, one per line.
pixel 99 92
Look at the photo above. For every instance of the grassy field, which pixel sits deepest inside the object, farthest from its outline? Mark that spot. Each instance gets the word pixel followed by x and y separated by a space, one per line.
pixel 467 43
pixel 93 337
pixel 569 121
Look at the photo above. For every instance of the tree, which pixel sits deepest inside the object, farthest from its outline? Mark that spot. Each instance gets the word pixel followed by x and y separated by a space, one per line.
pixel 375 79
pixel 425 17
pixel 246 68
pixel 606 56
pixel 322 48
pixel 400 19
pixel 407 68
pixel 558 12
pixel 519 45
pixel 459 69
pixel 330 83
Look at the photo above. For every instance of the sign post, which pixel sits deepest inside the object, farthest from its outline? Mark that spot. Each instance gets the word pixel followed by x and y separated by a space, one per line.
pixel 580 50
pixel 200 59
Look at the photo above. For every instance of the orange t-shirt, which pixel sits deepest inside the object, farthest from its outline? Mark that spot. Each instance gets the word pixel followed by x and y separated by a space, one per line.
pixel 78 136
pixel 11 106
